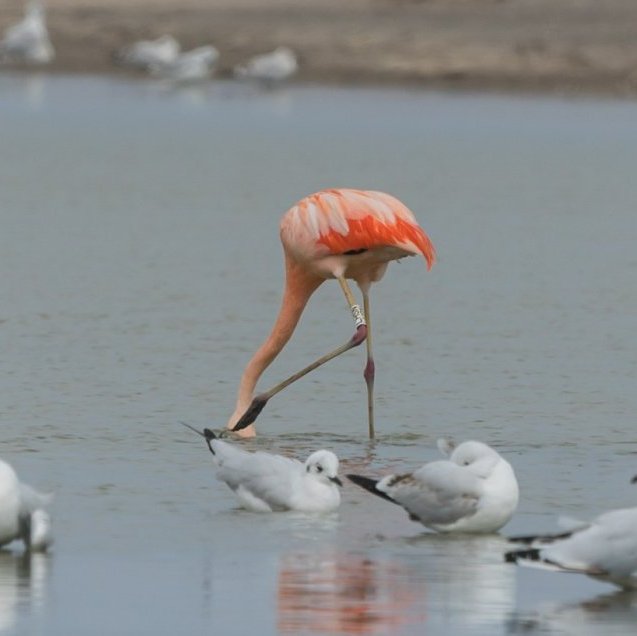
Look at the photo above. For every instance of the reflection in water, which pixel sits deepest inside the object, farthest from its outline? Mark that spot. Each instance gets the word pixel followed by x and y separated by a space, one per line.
pixel 469 583
pixel 338 593
pixel 23 579
pixel 34 91
pixel 608 614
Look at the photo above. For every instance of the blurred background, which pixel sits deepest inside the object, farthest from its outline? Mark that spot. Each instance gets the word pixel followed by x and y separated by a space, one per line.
pixel 550 45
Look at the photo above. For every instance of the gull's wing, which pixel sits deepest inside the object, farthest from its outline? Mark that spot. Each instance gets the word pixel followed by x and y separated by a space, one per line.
pixel 609 544
pixel 270 478
pixel 606 547
pixel 31 499
pixel 439 493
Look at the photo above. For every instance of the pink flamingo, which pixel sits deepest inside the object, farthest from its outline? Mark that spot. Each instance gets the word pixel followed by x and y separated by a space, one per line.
pixel 342 234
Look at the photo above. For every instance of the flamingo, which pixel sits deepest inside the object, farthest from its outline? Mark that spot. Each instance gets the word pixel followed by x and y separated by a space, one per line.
pixel 333 234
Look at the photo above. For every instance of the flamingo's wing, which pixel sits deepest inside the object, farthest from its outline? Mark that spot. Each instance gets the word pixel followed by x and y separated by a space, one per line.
pixel 342 221
pixel 439 493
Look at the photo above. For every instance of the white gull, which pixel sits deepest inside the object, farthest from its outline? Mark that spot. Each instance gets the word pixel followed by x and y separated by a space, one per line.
pixel 604 549
pixel 28 40
pixel 143 54
pixel 264 482
pixel 197 64
pixel 474 490
pixel 22 514
pixel 269 67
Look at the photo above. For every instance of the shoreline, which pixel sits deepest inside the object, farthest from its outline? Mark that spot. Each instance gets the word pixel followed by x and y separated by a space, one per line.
pixel 505 46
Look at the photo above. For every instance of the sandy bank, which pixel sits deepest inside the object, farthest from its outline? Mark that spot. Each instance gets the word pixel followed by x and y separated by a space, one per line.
pixel 566 46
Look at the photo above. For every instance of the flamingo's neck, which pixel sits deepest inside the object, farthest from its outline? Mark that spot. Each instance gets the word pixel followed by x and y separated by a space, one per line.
pixel 299 286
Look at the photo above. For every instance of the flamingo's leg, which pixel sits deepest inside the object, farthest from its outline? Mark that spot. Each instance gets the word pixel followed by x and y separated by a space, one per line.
pixel 370 369
pixel 259 401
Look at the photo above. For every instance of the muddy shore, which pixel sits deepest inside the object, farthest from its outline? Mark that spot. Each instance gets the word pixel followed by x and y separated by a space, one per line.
pixel 549 46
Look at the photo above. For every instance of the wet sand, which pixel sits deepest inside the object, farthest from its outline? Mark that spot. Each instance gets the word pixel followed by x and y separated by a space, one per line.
pixel 565 46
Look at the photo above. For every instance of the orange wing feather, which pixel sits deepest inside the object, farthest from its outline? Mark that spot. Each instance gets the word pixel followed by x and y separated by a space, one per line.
pixel 369 232
pixel 343 220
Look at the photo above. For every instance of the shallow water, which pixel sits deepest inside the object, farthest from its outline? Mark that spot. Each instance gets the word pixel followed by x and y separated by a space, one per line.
pixel 141 267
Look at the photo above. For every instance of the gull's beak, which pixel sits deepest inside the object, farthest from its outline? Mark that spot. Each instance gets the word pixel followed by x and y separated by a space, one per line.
pixel 336 481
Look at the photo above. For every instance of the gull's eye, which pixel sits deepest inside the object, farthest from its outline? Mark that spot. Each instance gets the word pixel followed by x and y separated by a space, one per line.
pixel 319 468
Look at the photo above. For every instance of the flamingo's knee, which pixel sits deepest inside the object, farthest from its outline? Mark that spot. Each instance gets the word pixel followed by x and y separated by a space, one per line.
pixel 370 371
pixel 359 336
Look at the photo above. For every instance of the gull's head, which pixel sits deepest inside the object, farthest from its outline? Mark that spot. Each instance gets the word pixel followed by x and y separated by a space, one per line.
pixel 476 457
pixel 324 465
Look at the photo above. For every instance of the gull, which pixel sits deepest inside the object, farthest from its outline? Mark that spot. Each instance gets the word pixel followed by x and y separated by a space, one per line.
pixel 28 40
pixel 474 490
pixel 269 67
pixel 267 483
pixel 604 549
pixel 22 514
pixel 143 54
pixel 191 66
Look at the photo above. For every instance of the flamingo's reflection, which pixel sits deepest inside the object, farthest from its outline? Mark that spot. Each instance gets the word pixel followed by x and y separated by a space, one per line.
pixel 347 594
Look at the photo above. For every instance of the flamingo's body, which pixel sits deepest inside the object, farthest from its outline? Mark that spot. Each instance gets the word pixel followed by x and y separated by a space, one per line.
pixel 342 234
pixel 322 230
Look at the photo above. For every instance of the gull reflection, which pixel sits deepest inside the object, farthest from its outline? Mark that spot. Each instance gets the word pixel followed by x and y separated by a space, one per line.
pixel 614 613
pixel 467 579
pixel 34 91
pixel 23 580
pixel 347 594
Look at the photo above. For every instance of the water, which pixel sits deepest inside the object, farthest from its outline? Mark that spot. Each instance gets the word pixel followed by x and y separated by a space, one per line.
pixel 140 268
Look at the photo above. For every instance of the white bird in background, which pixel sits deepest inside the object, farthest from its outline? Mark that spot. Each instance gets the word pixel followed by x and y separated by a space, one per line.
pixel 605 549
pixel 28 41
pixel 269 67
pixel 268 483
pixel 143 54
pixel 475 490
pixel 191 66
pixel 22 514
